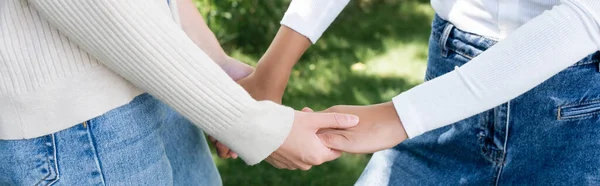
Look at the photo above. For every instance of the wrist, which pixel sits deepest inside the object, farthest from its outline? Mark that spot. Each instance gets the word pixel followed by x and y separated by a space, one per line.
pixel 221 58
pixel 389 112
pixel 283 53
pixel 271 85
pixel 390 116
pixel 274 78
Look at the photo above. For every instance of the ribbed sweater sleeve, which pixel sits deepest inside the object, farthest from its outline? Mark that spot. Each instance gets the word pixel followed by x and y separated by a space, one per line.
pixel 139 42
pixel 532 54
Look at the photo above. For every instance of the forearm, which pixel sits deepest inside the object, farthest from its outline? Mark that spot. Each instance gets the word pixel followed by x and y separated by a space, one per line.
pixel 135 40
pixel 304 22
pixel 529 56
pixel 278 61
pixel 196 28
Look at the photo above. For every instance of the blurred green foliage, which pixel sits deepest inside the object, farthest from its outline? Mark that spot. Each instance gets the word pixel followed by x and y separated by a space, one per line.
pixel 374 50
pixel 247 24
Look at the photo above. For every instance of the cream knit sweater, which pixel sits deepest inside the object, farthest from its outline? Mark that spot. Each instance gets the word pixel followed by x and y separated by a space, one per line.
pixel 63 62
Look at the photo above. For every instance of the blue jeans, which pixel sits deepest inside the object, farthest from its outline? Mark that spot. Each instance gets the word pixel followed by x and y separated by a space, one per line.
pixel 142 143
pixel 547 136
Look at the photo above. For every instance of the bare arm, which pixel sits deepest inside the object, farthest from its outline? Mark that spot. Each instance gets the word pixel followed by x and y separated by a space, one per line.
pixel 272 73
pixel 196 28
pixel 303 23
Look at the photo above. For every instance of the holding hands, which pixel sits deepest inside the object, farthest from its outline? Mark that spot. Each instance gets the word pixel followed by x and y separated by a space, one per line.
pixel 315 137
pixel 302 149
pixel 379 128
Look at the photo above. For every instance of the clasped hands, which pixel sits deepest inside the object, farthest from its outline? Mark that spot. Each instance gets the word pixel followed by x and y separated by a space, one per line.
pixel 318 137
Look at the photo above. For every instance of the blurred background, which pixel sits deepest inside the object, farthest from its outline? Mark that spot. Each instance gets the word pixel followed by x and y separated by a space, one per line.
pixel 373 51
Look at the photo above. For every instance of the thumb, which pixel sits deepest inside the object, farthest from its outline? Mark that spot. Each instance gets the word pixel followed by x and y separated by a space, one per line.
pixel 334 141
pixel 333 154
pixel 335 120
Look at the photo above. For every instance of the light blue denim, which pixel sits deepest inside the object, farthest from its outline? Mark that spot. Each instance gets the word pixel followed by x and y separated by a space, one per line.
pixel 548 136
pixel 142 143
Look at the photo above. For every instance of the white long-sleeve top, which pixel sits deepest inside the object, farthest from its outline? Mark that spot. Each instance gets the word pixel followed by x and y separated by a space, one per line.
pixel 491 18
pixel 63 62
pixel 544 44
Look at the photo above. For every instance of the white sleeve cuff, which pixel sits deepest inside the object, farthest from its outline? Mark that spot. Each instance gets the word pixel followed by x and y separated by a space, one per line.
pixel 312 17
pixel 409 118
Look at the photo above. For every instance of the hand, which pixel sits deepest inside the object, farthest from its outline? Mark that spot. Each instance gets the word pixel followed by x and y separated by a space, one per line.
pixel 262 87
pixel 235 69
pixel 222 150
pixel 379 129
pixel 302 149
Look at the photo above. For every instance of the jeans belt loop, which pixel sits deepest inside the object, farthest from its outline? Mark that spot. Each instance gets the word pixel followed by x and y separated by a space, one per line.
pixel 444 39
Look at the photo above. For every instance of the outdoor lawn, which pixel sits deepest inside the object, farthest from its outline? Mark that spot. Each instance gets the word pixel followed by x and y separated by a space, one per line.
pixel 374 50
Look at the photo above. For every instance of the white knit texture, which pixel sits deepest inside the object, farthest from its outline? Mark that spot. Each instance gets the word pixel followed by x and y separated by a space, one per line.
pixel 140 42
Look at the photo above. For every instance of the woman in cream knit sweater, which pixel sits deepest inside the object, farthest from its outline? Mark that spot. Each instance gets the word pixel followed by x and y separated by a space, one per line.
pixel 69 71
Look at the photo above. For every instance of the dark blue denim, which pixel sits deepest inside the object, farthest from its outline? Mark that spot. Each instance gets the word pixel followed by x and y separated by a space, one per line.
pixel 548 136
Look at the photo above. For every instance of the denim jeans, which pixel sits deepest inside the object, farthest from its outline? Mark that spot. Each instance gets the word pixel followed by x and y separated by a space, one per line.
pixel 548 136
pixel 142 143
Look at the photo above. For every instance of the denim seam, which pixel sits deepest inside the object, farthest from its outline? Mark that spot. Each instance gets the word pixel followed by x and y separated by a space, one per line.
pixel 580 116
pixel 581 103
pixel 505 143
pixel 55 161
pixel 48 164
pixel 96 155
pixel 586 62
pixel 560 109
pixel 463 54
pixel 48 167
pixel 489 151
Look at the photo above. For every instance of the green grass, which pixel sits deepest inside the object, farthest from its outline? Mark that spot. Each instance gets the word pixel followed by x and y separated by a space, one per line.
pixel 374 50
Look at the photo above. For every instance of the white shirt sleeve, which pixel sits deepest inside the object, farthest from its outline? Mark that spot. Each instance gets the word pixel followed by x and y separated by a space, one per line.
pixel 151 51
pixel 532 54
pixel 312 17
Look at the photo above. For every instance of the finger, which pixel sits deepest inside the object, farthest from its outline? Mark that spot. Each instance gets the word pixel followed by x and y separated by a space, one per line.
pixel 222 150
pixel 304 167
pixel 283 165
pixel 333 120
pixel 211 139
pixel 282 161
pixel 306 109
pixel 233 154
pixel 333 154
pixel 327 130
pixel 275 163
pixel 288 164
pixel 334 141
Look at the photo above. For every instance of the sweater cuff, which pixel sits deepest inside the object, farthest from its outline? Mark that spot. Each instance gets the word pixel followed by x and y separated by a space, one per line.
pixel 408 116
pixel 259 133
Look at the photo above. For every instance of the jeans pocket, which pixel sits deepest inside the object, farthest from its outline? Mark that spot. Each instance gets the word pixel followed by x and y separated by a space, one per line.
pixel 28 161
pixel 579 110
